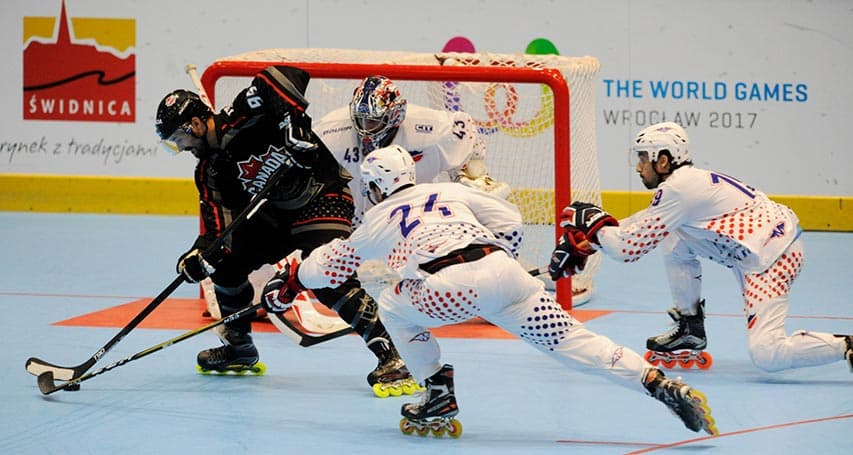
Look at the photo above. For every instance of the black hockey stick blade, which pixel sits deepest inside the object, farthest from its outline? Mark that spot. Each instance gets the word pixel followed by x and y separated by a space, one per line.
pixel 47 383
pixel 36 366
pixel 538 270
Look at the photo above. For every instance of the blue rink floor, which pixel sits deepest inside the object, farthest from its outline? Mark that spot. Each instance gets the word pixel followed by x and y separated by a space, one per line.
pixel 513 399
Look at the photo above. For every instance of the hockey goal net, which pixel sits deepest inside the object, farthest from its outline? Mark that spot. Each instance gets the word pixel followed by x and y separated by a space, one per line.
pixel 536 114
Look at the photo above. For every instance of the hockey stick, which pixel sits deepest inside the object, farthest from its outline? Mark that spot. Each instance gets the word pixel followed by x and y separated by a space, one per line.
pixel 37 367
pixel 538 270
pixel 46 380
pixel 192 72
pixel 308 327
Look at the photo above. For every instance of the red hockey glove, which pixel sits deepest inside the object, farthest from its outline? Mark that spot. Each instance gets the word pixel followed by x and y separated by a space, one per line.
pixel 588 218
pixel 570 256
pixel 284 286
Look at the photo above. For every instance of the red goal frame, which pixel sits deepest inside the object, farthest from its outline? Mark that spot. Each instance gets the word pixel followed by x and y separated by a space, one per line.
pixel 548 76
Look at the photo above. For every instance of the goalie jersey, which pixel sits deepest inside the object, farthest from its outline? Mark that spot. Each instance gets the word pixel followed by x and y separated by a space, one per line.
pixel 706 214
pixel 440 142
pixel 415 226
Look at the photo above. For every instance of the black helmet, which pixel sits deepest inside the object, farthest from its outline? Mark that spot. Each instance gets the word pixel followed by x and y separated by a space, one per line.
pixel 177 108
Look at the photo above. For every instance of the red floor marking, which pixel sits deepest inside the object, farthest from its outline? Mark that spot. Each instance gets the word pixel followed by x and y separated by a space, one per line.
pixel 739 432
pixel 185 314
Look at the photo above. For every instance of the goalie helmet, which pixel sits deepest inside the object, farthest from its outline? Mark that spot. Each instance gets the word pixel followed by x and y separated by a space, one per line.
pixel 177 109
pixel 667 136
pixel 377 109
pixel 389 169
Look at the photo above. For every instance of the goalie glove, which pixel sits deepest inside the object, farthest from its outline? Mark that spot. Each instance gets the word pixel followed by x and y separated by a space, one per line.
pixel 570 256
pixel 193 266
pixel 474 175
pixel 587 218
pixel 284 286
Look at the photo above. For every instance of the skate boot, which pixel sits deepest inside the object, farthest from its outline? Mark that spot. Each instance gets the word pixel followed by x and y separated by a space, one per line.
pixel 237 355
pixel 689 404
pixel 434 414
pixel 391 377
pixel 848 354
pixel 684 344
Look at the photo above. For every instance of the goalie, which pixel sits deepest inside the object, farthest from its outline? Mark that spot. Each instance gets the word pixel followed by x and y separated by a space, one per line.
pixel 445 145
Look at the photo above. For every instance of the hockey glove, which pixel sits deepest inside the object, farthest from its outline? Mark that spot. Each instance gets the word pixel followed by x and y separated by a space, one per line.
pixel 588 218
pixel 570 256
pixel 194 267
pixel 298 139
pixel 284 286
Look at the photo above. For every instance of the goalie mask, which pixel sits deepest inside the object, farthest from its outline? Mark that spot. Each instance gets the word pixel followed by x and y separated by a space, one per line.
pixel 377 109
pixel 174 114
pixel 387 170
pixel 667 136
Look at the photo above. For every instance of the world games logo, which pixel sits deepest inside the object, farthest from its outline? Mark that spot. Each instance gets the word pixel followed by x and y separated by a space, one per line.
pixel 79 69
pixel 501 100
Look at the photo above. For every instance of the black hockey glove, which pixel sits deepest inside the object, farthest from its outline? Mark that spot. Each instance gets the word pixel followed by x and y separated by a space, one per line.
pixel 588 218
pixel 193 266
pixel 570 256
pixel 298 139
pixel 284 286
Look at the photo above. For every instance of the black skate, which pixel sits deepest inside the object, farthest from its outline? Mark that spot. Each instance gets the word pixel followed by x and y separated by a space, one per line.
pixel 237 355
pixel 848 354
pixel 391 377
pixel 684 344
pixel 690 405
pixel 436 410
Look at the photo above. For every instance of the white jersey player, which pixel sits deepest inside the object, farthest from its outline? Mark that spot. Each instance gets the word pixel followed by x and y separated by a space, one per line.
pixel 697 213
pixel 445 145
pixel 455 248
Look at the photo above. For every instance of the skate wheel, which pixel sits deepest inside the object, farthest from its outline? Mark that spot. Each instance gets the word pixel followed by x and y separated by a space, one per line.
pixel 381 391
pixel 685 360
pixel 201 370
pixel 438 430
pixel 411 387
pixel 406 427
pixel 652 358
pixel 668 363
pixel 259 369
pixel 423 431
pixel 455 429
pixel 704 361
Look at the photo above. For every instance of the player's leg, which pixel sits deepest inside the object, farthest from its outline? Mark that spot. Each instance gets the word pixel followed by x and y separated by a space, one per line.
pixel 519 304
pixel 328 217
pixel 684 342
pixel 766 307
pixel 408 328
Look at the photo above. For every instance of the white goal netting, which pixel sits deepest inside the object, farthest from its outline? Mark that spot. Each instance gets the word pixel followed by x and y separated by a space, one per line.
pixel 515 114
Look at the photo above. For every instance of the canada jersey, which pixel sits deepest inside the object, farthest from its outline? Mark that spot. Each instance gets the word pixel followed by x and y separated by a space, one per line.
pixel 716 216
pixel 415 226
pixel 437 140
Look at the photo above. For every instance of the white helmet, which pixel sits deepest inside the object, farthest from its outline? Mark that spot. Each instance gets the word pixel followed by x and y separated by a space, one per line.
pixel 667 136
pixel 389 168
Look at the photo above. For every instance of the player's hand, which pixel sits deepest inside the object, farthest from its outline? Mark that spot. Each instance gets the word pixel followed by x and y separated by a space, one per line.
pixel 194 267
pixel 284 286
pixel 570 256
pixel 588 218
